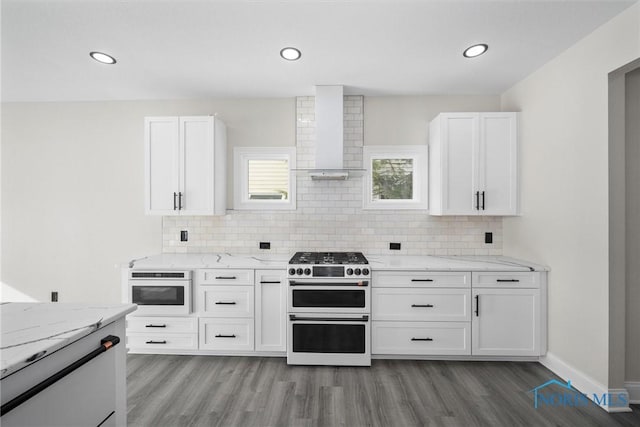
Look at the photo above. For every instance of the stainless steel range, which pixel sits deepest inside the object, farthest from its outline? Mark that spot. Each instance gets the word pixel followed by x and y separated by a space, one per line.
pixel 329 307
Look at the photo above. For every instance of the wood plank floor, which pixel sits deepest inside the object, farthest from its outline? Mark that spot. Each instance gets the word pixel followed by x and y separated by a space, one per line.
pixel 256 391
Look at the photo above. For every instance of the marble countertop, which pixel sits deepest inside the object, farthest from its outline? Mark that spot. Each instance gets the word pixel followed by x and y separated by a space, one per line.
pixel 30 331
pixel 377 262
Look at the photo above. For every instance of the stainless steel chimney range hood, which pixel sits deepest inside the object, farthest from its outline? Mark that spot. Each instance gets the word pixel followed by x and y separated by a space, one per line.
pixel 329 149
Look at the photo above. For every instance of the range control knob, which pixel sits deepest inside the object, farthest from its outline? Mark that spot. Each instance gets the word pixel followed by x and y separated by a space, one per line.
pixel 292 271
pixel 365 271
pixel 307 271
pixel 357 272
pixel 349 271
pixel 299 272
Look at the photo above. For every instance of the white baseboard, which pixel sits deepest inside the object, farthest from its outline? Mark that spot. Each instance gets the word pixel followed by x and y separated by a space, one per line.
pixel 583 382
pixel 633 387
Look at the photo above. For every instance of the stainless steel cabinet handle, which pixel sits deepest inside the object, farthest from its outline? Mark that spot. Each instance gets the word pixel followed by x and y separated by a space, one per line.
pixel 226 277
pixel 422 305
pixel 421 339
pixel 156 342
pixel 365 318
pixel 225 336
pixel 225 303
pixel 155 326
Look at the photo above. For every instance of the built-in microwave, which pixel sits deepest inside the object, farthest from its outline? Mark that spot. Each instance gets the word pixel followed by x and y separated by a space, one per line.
pixel 160 293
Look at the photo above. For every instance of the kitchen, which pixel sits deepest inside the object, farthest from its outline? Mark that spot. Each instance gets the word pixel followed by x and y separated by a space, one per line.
pixel 73 189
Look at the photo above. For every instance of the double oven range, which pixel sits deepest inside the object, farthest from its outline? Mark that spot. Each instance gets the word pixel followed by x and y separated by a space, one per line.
pixel 329 309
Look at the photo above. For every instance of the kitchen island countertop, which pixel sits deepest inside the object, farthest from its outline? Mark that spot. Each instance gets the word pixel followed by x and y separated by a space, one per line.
pixel 30 331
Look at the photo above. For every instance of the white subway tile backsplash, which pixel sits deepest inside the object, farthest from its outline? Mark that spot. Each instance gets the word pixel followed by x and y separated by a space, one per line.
pixel 329 214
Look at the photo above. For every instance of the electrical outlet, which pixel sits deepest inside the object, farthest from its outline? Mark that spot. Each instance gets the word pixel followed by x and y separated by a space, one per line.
pixel 394 246
pixel 54 296
pixel 265 245
pixel 488 237
pixel 184 236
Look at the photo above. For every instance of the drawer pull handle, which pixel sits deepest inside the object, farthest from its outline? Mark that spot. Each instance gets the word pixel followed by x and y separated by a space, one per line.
pixel 270 282
pixel 507 280
pixel 421 339
pixel 225 336
pixel 225 303
pixel 226 277
pixel 155 326
pixel 422 280
pixel 422 305
pixel 156 342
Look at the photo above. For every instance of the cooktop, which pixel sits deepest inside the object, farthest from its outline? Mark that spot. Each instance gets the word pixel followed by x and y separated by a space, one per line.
pixel 328 258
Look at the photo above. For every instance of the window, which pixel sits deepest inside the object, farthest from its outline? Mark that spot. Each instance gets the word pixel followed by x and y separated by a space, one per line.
pixel 396 177
pixel 263 178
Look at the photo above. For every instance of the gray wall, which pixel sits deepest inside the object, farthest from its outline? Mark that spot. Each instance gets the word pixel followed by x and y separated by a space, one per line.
pixel 632 168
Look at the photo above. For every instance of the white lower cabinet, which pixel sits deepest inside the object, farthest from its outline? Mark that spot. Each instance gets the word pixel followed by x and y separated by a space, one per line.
pixel 506 322
pixel 427 338
pixel 162 333
pixel 271 310
pixel 226 334
pixel 225 301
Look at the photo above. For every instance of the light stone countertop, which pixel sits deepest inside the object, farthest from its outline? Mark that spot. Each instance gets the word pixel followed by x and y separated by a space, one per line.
pixel 30 331
pixel 377 262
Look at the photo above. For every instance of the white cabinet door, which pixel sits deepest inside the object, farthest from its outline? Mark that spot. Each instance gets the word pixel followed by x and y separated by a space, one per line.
pixel 185 174
pixel 506 322
pixel 197 165
pixel 473 164
pixel 162 150
pixel 271 310
pixel 497 163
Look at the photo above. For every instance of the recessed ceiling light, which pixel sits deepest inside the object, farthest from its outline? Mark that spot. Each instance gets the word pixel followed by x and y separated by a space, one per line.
pixel 103 57
pixel 290 53
pixel 475 50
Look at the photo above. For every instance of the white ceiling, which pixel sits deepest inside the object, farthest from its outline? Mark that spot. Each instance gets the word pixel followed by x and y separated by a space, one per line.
pixel 222 48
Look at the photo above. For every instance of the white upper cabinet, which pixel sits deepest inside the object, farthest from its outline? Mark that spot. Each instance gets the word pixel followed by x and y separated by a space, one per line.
pixel 185 166
pixel 473 164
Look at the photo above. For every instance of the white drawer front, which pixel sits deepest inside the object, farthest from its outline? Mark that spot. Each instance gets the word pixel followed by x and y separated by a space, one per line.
pixel 163 325
pixel 226 334
pixel 421 279
pixel 421 338
pixel 516 279
pixel 226 301
pixel 163 341
pixel 424 304
pixel 225 277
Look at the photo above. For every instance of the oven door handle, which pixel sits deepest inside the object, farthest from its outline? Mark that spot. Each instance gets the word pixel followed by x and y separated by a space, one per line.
pixel 359 284
pixel 364 318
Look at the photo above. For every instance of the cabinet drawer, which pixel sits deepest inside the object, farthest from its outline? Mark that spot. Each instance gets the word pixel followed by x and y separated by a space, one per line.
pixel 225 277
pixel 162 341
pixel 421 338
pixel 226 334
pixel 421 304
pixel 226 301
pixel 516 279
pixel 421 279
pixel 163 325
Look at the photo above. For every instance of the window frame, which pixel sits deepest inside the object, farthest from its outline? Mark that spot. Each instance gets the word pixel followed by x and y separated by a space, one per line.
pixel 420 156
pixel 241 157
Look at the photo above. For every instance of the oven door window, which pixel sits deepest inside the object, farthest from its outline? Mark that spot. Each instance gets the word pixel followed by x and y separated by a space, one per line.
pixel 329 298
pixel 328 338
pixel 157 295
